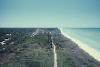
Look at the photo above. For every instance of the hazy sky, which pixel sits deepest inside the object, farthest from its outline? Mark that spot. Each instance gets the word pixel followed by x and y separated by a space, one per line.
pixel 49 13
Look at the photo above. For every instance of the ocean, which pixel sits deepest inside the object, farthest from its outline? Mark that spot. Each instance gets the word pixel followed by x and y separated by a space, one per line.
pixel 89 36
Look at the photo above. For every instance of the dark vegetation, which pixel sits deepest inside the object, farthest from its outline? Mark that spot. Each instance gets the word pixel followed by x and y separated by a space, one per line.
pixel 31 47
pixel 24 50
pixel 70 55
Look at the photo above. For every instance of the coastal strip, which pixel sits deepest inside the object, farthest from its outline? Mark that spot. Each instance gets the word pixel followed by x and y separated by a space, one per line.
pixel 92 52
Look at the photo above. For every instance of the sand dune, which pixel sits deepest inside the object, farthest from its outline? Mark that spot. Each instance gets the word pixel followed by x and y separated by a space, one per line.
pixel 94 53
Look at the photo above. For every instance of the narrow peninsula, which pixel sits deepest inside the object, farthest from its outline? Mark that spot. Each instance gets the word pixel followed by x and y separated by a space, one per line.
pixel 41 47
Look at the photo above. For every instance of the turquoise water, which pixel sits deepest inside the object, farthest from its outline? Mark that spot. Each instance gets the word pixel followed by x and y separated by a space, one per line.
pixel 89 36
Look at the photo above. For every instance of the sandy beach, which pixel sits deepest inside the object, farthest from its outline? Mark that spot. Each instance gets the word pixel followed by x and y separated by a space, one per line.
pixel 48 48
pixel 92 52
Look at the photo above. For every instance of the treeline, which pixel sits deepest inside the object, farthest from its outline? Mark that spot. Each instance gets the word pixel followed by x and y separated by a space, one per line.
pixel 13 36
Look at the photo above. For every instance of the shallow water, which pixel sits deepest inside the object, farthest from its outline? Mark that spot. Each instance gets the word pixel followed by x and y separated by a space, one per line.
pixel 89 36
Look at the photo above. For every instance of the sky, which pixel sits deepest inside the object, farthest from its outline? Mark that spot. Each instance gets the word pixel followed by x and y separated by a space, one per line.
pixel 50 13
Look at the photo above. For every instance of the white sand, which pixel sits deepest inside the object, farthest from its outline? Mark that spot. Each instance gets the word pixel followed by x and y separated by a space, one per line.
pixel 94 53
pixel 55 55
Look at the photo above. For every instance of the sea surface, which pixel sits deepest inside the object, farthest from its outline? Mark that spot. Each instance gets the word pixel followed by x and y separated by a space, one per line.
pixel 89 36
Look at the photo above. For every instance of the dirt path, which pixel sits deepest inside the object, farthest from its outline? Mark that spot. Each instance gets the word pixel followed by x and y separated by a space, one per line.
pixel 55 55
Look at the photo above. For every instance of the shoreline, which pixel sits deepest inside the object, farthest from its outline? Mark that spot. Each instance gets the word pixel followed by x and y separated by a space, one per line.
pixel 92 52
